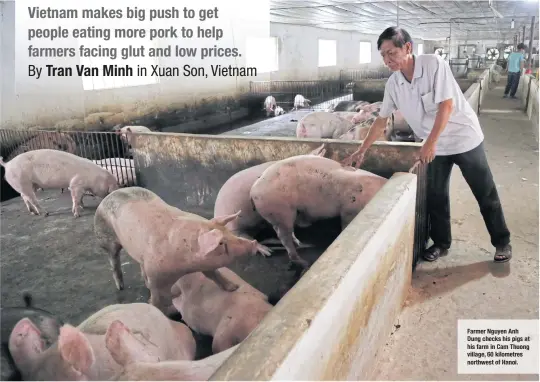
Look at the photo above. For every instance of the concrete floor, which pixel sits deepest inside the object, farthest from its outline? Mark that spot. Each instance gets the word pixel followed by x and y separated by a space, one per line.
pixel 466 283
pixel 55 258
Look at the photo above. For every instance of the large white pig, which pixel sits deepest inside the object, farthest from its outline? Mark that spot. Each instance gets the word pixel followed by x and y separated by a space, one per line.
pixel 47 168
pixel 303 189
pixel 234 196
pixel 300 101
pixel 81 353
pixel 321 124
pixel 166 241
pixel 269 105
pixel 136 369
pixel 229 317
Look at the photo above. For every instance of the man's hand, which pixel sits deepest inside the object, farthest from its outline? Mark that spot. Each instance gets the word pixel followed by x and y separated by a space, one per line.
pixel 427 152
pixel 357 156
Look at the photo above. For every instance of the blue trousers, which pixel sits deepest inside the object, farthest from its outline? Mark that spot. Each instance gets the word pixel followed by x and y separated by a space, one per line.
pixel 512 84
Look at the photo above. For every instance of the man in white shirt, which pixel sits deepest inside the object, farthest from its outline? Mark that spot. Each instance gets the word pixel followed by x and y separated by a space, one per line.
pixel 425 91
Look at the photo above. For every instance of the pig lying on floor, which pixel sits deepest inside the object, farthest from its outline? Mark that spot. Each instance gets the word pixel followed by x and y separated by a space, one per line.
pixel 360 130
pixel 234 196
pixel 81 353
pixel 302 189
pixel 347 106
pixel 166 241
pixel 136 369
pixel 321 124
pixel 229 317
pixel 47 168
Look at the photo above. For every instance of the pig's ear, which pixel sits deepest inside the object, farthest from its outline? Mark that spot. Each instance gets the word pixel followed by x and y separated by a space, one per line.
pixel 209 241
pixel 303 129
pixel 223 220
pixel 124 347
pixel 25 342
pixel 75 348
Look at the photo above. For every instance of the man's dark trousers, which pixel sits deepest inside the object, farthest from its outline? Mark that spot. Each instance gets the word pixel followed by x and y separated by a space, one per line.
pixel 475 169
pixel 512 83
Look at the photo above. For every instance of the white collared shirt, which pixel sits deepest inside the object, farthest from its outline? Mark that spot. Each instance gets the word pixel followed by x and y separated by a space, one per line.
pixel 418 101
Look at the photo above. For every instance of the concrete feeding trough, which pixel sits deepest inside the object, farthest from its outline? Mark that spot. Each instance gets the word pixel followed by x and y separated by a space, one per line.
pixel 333 321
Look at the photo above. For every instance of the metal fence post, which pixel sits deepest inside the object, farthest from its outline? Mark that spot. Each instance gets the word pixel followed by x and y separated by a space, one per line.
pixel 479 97
pixel 528 95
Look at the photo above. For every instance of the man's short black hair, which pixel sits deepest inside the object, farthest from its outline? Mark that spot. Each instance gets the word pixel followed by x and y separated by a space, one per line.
pixel 521 46
pixel 398 36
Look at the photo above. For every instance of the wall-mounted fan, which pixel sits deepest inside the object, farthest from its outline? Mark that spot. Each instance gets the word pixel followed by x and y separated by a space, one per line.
pixel 492 53
pixel 507 51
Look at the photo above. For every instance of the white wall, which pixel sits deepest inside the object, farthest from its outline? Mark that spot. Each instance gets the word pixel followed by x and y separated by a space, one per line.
pixel 298 60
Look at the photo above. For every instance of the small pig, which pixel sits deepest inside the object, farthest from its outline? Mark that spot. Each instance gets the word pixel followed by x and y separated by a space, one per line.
pixel 269 105
pixel 350 105
pixel 279 111
pixel 234 196
pixel 321 124
pixel 166 241
pixel 46 322
pixel 122 169
pixel 139 370
pixel 302 189
pixel 81 353
pixel 300 101
pixel 229 317
pixel 47 168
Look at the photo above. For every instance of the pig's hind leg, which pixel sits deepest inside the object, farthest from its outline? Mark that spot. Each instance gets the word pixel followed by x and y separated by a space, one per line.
pixel 30 199
pixel 107 241
pixel 77 193
pixel 285 234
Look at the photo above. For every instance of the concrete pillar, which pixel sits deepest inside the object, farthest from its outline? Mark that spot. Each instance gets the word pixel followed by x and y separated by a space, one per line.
pixel 531 42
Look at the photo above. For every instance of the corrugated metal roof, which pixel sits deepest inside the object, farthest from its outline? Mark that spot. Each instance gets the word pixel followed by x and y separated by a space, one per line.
pixel 425 19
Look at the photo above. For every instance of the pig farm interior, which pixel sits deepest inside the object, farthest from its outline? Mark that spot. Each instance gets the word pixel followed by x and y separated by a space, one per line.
pixel 366 306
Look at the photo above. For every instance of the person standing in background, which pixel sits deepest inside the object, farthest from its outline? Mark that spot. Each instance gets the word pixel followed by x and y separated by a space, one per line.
pixel 516 62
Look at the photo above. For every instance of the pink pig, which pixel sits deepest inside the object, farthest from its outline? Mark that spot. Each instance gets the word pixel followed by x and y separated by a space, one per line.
pixel 166 241
pixel 48 168
pixel 303 189
pixel 82 353
pixel 136 368
pixel 229 317
pixel 234 196
pixel 321 124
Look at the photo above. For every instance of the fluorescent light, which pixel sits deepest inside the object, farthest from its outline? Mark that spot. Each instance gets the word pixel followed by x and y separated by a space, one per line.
pixel 512 24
